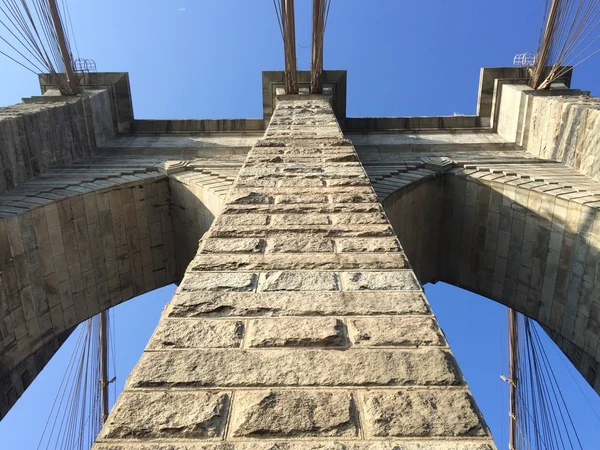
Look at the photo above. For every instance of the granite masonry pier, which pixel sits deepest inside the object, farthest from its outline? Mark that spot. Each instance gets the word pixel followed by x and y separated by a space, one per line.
pixel 299 321
pixel 299 242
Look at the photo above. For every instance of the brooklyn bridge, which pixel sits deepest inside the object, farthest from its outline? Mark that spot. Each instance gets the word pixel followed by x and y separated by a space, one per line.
pixel 300 242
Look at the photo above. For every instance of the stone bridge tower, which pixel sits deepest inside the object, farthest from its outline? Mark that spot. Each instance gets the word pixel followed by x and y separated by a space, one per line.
pixel 299 322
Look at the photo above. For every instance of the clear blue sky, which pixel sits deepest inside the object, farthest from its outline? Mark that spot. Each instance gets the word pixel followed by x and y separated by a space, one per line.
pixel 402 58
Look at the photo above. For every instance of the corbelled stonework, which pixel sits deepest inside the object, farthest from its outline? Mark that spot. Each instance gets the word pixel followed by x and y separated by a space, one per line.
pixel 299 323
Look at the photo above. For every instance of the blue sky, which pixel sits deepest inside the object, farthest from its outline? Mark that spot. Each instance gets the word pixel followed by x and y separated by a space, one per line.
pixel 402 58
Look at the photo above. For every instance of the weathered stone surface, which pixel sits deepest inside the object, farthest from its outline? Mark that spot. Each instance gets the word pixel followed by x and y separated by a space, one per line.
pixel 236 220
pixel 378 230
pixel 300 219
pixel 153 415
pixel 252 245
pixel 298 281
pixel 281 414
pixel 299 245
pixel 197 334
pixel 380 281
pixel 246 198
pixel 306 199
pixel 304 208
pixel 382 245
pixel 361 219
pixel 333 444
pixel 394 331
pixel 300 367
pixel 296 332
pixel 290 261
pixel 186 304
pixel 214 281
pixel 417 413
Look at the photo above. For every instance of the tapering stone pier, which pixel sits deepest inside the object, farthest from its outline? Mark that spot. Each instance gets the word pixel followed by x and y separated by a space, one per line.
pixel 299 324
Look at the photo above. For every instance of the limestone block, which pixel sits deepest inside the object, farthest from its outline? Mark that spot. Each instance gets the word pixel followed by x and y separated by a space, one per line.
pixel 240 245
pixel 380 281
pixel 197 334
pixel 295 332
pixel 421 414
pixel 298 367
pixel 299 245
pixel 179 415
pixel 279 414
pixel 394 331
pixel 298 281
pixel 219 281
pixel 224 304
pixel 374 245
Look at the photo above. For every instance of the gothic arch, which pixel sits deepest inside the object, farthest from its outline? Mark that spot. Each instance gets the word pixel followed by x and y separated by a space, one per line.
pixel 525 234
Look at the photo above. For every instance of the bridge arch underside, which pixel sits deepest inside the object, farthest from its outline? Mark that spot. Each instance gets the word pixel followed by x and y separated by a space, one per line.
pixel 526 243
pixel 80 239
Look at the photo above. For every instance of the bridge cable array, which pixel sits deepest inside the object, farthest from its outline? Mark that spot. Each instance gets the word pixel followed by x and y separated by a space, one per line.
pixel 569 36
pixel 34 36
pixel 543 419
pixel 75 418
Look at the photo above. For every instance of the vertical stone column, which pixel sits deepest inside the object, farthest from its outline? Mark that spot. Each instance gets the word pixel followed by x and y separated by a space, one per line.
pixel 299 324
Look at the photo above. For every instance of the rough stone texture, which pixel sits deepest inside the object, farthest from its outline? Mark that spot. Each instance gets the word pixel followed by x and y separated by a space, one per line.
pixel 296 304
pixel 153 415
pixel 300 252
pixel 337 444
pixel 295 332
pixel 378 245
pixel 284 414
pixel 232 246
pixel 301 260
pixel 299 281
pixel 421 414
pixel 394 331
pixel 380 281
pixel 299 245
pixel 223 281
pixel 197 334
pixel 295 367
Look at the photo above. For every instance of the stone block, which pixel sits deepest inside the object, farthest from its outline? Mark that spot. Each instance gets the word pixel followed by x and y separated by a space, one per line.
pixel 322 444
pixel 242 219
pixel 219 281
pixel 368 245
pixel 298 281
pixel 282 303
pixel 298 367
pixel 300 219
pixel 297 414
pixel 236 245
pixel 197 334
pixel 394 331
pixel 174 415
pixel 295 332
pixel 418 413
pixel 379 281
pixel 299 245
